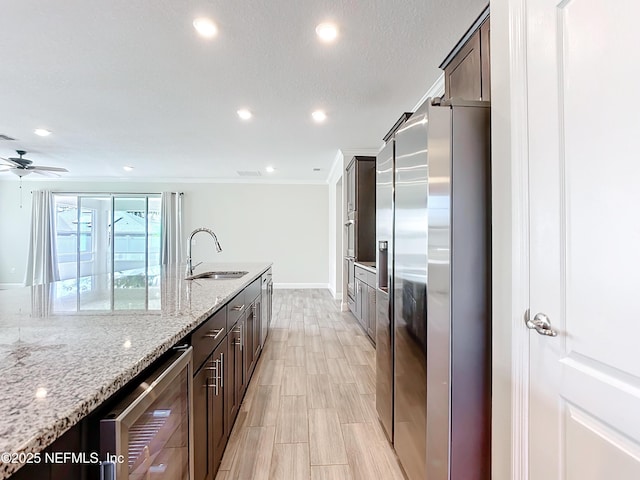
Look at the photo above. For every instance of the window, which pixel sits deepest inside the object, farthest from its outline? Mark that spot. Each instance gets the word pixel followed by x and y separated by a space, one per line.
pixel 117 234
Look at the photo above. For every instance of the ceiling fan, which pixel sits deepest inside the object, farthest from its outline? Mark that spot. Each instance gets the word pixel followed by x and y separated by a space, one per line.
pixel 21 166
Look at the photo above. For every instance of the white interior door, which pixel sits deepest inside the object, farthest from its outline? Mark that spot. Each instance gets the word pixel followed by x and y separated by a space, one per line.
pixel 584 128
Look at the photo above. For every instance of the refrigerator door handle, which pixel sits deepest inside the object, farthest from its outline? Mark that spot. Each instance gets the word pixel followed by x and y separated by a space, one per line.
pixel 381 270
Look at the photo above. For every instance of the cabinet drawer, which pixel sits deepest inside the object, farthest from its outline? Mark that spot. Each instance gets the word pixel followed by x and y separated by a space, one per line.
pixel 235 308
pixel 370 279
pixel 361 273
pixel 207 337
pixel 252 291
pixel 365 276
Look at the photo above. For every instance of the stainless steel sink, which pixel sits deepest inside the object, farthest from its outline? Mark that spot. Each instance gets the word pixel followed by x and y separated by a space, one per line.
pixel 217 275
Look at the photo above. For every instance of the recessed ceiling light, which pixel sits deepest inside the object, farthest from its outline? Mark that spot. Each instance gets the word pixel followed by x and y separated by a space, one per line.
pixel 244 114
pixel 319 116
pixel 41 393
pixel 327 32
pixel 270 169
pixel 127 168
pixel 43 132
pixel 205 27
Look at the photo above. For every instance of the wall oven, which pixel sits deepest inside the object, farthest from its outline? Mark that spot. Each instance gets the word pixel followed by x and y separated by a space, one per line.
pixel 151 429
pixel 350 226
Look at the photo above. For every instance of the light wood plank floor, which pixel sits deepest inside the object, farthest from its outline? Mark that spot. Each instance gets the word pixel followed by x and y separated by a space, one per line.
pixel 309 411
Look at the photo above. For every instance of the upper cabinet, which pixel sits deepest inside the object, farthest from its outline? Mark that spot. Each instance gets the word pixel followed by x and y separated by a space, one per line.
pixel 361 208
pixel 467 74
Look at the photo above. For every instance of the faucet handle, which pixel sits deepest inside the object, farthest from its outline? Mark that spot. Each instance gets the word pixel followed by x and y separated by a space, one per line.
pixel 194 266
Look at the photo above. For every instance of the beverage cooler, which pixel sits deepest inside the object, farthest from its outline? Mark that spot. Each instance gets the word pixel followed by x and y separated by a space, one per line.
pixel 151 429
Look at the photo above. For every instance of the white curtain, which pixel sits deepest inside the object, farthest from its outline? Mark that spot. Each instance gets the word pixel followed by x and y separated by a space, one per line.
pixel 42 263
pixel 171 229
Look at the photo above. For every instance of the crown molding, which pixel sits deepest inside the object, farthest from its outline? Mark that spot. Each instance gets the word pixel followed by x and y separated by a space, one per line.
pixel 260 181
pixel 436 90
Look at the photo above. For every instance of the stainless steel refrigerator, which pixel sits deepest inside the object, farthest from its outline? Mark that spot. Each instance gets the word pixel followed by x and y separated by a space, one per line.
pixel 438 311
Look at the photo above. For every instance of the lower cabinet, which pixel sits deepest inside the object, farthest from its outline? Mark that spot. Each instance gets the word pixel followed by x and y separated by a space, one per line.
pixel 371 312
pixel 209 409
pixel 249 352
pixel 234 372
pixel 364 308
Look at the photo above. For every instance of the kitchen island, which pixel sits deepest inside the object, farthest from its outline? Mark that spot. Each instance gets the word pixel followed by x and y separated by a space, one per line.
pixel 67 347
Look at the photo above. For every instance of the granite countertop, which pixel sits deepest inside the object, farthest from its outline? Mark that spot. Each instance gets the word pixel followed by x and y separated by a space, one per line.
pixel 370 266
pixel 67 346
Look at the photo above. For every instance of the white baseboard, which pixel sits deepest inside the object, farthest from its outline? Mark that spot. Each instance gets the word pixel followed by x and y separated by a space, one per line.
pixel 7 286
pixel 300 285
pixel 336 296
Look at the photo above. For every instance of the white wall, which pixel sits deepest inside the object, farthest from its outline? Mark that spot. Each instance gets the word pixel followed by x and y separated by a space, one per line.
pixel 286 224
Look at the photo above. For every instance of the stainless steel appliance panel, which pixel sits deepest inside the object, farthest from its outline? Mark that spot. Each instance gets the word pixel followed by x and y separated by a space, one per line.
pixel 410 292
pixel 439 294
pixel 384 282
pixel 350 226
pixel 458 396
pixel 153 427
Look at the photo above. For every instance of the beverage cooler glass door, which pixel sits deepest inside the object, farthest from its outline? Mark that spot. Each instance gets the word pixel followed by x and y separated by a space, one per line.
pixel 152 428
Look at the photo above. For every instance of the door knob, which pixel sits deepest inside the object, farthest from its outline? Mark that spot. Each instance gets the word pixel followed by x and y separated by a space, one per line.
pixel 540 324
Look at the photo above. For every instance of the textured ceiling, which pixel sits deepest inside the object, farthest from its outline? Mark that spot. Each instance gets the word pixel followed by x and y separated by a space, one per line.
pixel 128 82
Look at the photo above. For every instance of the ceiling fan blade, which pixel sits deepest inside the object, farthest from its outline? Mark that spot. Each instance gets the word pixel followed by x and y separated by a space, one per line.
pixel 5 168
pixel 44 173
pixel 10 162
pixel 47 169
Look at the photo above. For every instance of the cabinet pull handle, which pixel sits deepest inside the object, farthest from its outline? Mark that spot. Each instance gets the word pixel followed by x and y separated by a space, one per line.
pixel 216 374
pixel 222 370
pixel 214 333
pixel 237 308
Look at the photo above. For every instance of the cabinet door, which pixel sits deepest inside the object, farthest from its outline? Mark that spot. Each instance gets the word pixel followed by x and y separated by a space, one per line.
pixel 257 328
pixel 233 381
pixel 360 288
pixel 351 186
pixel 219 432
pixel 248 342
pixel 371 311
pixel 364 306
pixel 463 76
pixel 241 366
pixel 485 54
pixel 202 423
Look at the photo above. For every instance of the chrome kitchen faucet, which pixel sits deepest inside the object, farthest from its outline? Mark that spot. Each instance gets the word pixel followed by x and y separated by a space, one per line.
pixel 190 267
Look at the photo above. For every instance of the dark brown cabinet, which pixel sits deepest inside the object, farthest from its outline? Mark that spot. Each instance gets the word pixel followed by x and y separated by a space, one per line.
pixel 467 74
pixel 485 59
pixel 209 409
pixel 361 208
pixel 234 373
pixel 202 451
pixel 257 328
pixel 218 405
pixel 248 347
